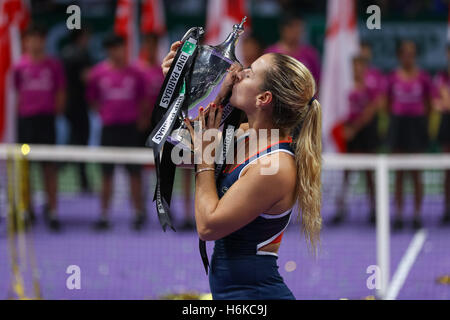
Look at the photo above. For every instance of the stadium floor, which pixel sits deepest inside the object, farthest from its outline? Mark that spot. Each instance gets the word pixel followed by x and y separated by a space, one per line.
pixel 124 264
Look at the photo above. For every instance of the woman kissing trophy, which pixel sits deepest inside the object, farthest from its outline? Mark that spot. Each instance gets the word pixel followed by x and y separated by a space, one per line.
pixel 193 80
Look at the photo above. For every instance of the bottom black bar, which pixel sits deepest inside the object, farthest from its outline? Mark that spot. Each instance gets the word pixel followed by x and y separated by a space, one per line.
pixel 194 309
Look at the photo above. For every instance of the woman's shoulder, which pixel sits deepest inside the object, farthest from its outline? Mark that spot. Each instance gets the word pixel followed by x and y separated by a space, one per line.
pixel 280 164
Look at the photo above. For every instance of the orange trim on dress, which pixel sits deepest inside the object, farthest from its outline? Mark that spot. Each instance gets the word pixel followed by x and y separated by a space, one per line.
pixel 278 239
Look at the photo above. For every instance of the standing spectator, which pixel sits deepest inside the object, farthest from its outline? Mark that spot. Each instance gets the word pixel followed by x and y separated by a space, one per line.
pixel 116 90
pixel 77 62
pixel 441 103
pixel 40 84
pixel 291 43
pixel 361 133
pixel 373 78
pixel 150 67
pixel 409 105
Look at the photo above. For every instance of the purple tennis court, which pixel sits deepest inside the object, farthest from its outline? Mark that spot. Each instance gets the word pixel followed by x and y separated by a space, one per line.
pixel 124 264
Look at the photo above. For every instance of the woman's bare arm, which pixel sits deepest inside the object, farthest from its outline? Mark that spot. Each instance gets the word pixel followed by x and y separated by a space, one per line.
pixel 254 193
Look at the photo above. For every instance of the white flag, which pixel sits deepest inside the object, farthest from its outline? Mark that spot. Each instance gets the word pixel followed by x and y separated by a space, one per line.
pixel 341 45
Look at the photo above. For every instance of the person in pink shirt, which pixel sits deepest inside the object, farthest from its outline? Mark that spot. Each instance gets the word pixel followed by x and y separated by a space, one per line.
pixel 40 84
pixel 441 103
pixel 361 133
pixel 117 90
pixel 408 95
pixel 291 43
pixel 374 78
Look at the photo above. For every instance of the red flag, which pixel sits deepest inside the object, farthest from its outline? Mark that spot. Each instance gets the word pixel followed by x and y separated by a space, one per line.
pixel 221 16
pixel 153 21
pixel 338 134
pixel 125 25
pixel 5 63
pixel 237 9
pixel 14 17
pixel 341 44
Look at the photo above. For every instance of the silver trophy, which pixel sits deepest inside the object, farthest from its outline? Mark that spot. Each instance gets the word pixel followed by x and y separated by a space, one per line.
pixel 208 73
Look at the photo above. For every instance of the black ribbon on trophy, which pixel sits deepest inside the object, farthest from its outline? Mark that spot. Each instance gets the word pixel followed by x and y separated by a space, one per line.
pixel 194 80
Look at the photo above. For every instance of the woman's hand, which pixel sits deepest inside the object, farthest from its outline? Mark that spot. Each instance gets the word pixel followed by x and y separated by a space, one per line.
pixel 204 132
pixel 167 62
pixel 228 83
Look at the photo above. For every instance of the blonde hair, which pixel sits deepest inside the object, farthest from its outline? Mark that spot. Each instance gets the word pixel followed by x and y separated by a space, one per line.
pixel 293 88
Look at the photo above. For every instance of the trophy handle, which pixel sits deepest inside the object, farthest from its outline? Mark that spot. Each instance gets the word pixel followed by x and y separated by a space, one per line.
pixel 199 30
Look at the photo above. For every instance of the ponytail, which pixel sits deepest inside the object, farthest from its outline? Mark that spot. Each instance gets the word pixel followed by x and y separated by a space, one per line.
pixel 308 157
pixel 292 86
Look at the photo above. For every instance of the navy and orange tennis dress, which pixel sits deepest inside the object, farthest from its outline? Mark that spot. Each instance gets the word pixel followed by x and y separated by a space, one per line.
pixel 239 269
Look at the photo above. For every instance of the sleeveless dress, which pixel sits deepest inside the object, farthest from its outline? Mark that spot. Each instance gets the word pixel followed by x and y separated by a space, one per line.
pixel 239 270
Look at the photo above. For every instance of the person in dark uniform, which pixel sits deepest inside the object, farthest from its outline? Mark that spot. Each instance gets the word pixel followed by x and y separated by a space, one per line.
pixel 247 209
pixel 77 62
